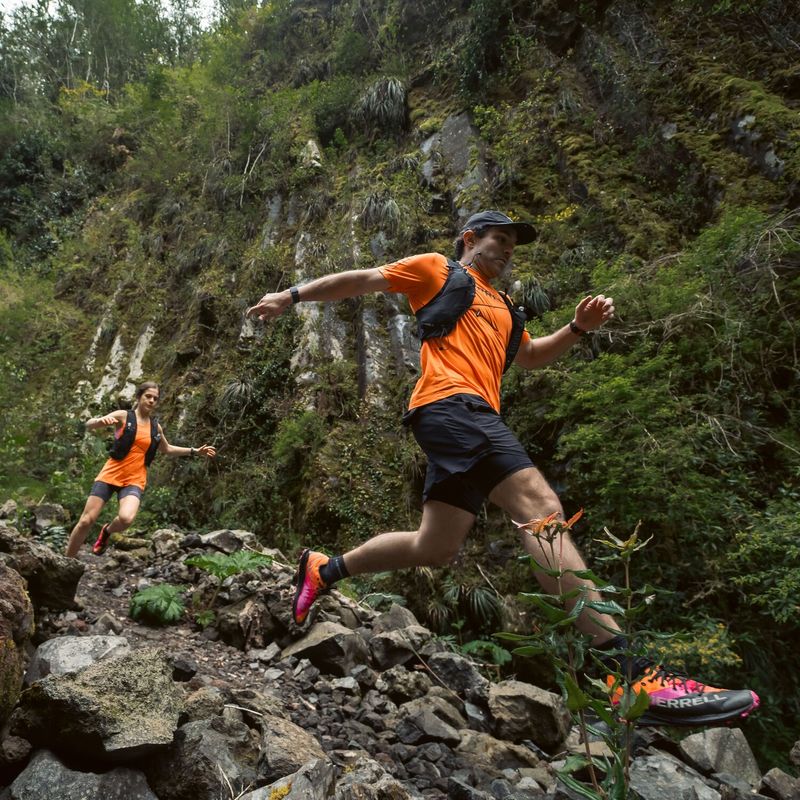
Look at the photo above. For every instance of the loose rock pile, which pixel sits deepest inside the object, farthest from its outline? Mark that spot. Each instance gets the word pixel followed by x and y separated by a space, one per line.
pixel 358 705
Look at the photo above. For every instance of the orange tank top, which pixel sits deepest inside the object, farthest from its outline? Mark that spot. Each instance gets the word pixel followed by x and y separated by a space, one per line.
pixel 130 471
pixel 470 359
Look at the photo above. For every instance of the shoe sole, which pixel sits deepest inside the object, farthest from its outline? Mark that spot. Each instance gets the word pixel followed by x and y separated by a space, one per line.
pixel 652 717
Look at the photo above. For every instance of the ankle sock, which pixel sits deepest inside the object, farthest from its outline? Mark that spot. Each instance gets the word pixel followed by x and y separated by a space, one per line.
pixel 334 570
pixel 620 662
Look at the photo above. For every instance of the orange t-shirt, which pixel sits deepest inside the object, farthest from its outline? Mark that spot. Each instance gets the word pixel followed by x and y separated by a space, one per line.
pixel 470 359
pixel 130 471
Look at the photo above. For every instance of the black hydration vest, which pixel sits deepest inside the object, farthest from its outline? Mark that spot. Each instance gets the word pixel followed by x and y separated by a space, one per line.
pixel 440 314
pixel 121 446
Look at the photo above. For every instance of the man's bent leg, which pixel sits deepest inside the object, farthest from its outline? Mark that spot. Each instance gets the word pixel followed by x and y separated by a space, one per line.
pixel 441 534
pixel 437 542
pixel 526 495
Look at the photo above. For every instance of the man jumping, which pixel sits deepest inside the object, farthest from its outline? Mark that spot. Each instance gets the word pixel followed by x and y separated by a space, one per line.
pixel 471 334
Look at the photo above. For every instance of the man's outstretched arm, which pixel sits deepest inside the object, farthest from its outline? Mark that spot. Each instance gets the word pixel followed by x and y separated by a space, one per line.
pixel 590 314
pixel 329 287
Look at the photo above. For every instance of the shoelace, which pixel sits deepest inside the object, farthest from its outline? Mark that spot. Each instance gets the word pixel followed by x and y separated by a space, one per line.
pixel 641 665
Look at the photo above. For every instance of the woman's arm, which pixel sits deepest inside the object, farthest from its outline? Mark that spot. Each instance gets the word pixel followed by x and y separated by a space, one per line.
pixel 176 450
pixel 115 418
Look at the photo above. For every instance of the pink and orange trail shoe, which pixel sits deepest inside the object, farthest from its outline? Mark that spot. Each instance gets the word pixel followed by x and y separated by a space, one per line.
pixel 309 584
pixel 676 699
pixel 100 545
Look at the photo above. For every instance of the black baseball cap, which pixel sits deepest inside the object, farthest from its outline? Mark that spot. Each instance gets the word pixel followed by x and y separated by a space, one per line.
pixel 526 233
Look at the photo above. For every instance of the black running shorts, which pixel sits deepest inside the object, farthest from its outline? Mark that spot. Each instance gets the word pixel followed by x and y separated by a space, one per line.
pixel 469 449
pixel 104 491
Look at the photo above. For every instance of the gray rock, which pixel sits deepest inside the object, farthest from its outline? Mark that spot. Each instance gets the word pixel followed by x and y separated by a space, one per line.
pixel 396 617
pixel 46 778
pixel 46 515
pixel 418 723
pixel 166 542
pixel 52 578
pixel 67 654
pixel 398 646
pixel 207 757
pixel 522 711
pixel 794 755
pixel 117 709
pixel 778 784
pixel 204 703
pixel 721 750
pixel 365 779
pixel 314 781
pixel 484 750
pixel 331 647
pixel 402 685
pixel 662 777
pixel 227 540
pixel 8 511
pixel 285 748
pixel 460 675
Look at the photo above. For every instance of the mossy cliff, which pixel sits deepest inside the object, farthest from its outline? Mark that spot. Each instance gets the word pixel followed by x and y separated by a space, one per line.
pixel 655 144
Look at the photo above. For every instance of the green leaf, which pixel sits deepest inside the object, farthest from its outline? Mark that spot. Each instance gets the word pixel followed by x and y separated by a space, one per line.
pixel 576 698
pixel 529 650
pixel 607 607
pixel 579 788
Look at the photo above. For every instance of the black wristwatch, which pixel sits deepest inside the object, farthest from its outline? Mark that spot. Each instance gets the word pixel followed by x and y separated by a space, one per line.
pixel 573 326
pixel 295 293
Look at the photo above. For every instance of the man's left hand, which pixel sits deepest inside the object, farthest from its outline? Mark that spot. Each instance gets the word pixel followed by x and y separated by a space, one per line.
pixel 592 312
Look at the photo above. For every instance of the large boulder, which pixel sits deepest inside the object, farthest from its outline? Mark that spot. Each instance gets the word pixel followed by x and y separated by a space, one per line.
pixel 366 779
pixel 47 777
pixel 118 709
pixel 314 781
pixel 331 648
pixel 73 653
pixel 52 578
pixel 721 750
pixel 16 628
pixel 662 777
pixel 228 541
pixel 208 759
pixel 399 646
pixel 522 711
pixel 484 750
pixel 285 748
pixel 460 675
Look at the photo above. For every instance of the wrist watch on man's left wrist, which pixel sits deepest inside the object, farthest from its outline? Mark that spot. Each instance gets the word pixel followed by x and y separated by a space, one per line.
pixel 192 451
pixel 578 331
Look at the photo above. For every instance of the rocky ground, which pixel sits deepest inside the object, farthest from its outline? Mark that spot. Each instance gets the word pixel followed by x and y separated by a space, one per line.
pixel 356 705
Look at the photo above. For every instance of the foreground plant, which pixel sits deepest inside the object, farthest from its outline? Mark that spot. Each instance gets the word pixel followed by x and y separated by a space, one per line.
pixel 159 605
pixel 223 566
pixel 600 710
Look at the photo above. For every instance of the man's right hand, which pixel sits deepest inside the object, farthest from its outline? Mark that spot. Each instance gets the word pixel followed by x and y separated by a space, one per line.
pixel 270 305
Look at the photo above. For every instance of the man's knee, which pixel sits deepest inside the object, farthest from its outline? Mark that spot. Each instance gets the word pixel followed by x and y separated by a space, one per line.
pixel 126 520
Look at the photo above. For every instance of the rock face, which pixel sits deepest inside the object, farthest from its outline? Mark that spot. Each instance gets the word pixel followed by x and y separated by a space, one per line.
pixel 114 710
pixel 16 627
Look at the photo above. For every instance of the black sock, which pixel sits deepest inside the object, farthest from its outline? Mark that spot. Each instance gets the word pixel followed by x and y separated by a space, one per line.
pixel 619 662
pixel 334 570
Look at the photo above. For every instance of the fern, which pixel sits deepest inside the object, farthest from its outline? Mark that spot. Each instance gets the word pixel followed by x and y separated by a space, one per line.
pixel 160 605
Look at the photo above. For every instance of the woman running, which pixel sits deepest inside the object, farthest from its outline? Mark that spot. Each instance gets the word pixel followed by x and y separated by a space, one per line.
pixel 137 439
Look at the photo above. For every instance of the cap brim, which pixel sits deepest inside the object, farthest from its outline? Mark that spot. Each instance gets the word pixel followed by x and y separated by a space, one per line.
pixel 526 233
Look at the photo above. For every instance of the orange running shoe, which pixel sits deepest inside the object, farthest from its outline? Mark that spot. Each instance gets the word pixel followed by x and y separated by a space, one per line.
pixel 676 699
pixel 100 545
pixel 309 584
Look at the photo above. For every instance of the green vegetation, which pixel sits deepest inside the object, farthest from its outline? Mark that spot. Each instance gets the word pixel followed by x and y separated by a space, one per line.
pixel 158 605
pixel 154 174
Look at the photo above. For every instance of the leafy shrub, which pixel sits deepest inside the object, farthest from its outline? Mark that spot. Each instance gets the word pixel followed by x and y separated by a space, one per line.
pixel 383 107
pixel 222 566
pixel 158 605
